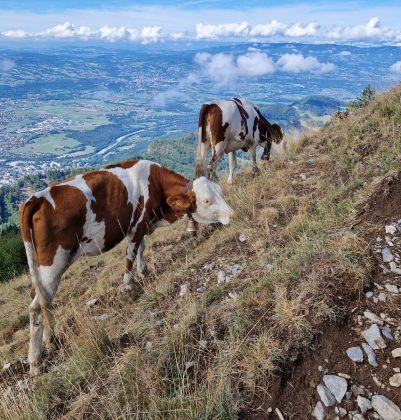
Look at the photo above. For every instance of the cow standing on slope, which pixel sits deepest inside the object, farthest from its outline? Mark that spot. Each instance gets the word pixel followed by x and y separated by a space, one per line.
pixel 91 213
pixel 229 125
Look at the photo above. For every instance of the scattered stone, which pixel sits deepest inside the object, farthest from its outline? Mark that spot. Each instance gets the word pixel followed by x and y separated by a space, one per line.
pixel 364 404
pixel 92 302
pixel 320 368
pixel 348 395
pixel 6 366
pixel 242 238
pixel 389 242
pixel 318 411
pixel 392 288
pixel 386 331
pixel 382 297
pixel 355 354
pixel 190 364
pixel 344 375
pixel 269 267
pixel 103 317
pixel 326 396
pixel 369 295
pixel 378 286
pixel 357 390
pixel 23 385
pixel 233 269
pixel 200 289
pixel 373 317
pixel 391 229
pixel 396 352
pixel 269 410
pixel 394 269
pixel 358 416
pixel 342 412
pixel 203 343
pixel 377 381
pixel 386 408
pixel 233 295
pixel 221 277
pixel 395 380
pixel 397 370
pixel 208 267
pixel 279 414
pixel 375 300
pixel 148 346
pixel 387 255
pixel 303 177
pixel 373 337
pixel 371 355
pixel 185 289
pixel 337 386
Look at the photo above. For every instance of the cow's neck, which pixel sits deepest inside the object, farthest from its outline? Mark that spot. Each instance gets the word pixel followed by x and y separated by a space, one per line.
pixel 171 183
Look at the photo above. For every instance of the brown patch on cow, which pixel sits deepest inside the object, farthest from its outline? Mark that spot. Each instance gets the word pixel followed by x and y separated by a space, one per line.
pixel 111 205
pixel 214 119
pixel 124 165
pixel 60 226
pixel 238 100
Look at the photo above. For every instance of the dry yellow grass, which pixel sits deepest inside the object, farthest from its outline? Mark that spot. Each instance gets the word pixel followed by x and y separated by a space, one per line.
pixel 149 360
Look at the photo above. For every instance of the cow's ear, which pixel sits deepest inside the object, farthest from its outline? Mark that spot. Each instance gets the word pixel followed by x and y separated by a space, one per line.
pixel 179 202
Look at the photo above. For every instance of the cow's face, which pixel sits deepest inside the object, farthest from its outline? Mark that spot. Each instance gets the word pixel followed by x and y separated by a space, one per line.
pixel 211 206
pixel 205 201
pixel 270 133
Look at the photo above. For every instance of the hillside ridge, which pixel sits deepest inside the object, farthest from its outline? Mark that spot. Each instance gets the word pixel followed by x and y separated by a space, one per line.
pixel 231 323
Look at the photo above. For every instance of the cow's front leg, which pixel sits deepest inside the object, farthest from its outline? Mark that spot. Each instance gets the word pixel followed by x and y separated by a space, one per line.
pixel 255 169
pixel 232 163
pixel 141 266
pixel 132 250
pixel 217 153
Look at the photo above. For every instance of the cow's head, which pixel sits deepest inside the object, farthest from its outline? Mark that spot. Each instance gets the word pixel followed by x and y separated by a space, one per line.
pixel 204 201
pixel 270 132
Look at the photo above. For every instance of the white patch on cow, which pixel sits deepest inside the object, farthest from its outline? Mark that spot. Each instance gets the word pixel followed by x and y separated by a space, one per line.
pixel 211 206
pixel 136 181
pixel 50 275
pixel 46 195
pixel 80 183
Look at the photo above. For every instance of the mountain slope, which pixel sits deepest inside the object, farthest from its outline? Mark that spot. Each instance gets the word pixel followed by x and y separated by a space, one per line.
pixel 221 350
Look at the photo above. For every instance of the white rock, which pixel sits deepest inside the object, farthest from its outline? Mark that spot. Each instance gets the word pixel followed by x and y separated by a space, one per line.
pixel 203 343
pixel 373 337
pixel 394 269
pixel 395 380
pixel 386 408
pixel 6 366
pixel 364 404
pixel 326 396
pixel 391 229
pixel 188 365
pixel 392 288
pixel 242 238
pixel 344 375
pixel 337 386
pixel 373 317
pixel 342 412
pixel 233 295
pixel 358 417
pixel 369 295
pixel 103 317
pixel 92 302
pixel 371 355
pixel 208 267
pixel 355 354
pixel 185 289
pixel 269 267
pixel 396 352
pixel 377 381
pixel 386 331
pixel 387 255
pixel 318 412
pixel 378 286
pixel 233 269
pixel 221 277
pixel 397 370
pixel 148 346
pixel 382 297
pixel 303 177
pixel 375 300
pixel 200 289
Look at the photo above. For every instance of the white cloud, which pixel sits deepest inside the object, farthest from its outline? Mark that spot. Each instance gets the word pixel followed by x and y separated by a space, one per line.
pixel 6 65
pixel 372 31
pixel 297 63
pixel 345 54
pixel 396 67
pixel 222 31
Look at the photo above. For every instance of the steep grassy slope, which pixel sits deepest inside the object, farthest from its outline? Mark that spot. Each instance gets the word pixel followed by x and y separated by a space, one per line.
pixel 220 350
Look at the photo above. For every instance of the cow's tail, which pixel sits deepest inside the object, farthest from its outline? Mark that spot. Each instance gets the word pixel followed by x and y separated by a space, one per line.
pixel 203 147
pixel 26 213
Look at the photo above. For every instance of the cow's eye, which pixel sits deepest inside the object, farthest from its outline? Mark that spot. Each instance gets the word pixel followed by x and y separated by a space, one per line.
pixel 207 201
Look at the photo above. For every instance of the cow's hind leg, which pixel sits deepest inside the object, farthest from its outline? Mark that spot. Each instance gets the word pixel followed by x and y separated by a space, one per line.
pixel 141 266
pixel 232 163
pixel 132 250
pixel 35 336
pixel 217 153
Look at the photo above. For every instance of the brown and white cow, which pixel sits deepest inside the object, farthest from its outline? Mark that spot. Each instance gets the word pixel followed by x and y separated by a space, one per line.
pixel 228 125
pixel 91 213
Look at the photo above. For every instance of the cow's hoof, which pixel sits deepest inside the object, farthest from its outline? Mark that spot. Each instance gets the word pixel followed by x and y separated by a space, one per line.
pixel 143 273
pixel 255 171
pixel 126 287
pixel 230 181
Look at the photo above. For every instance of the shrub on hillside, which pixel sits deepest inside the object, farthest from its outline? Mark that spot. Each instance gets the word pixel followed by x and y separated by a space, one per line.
pixel 12 254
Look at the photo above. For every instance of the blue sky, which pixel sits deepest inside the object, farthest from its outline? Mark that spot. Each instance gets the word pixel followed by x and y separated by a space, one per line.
pixel 171 19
